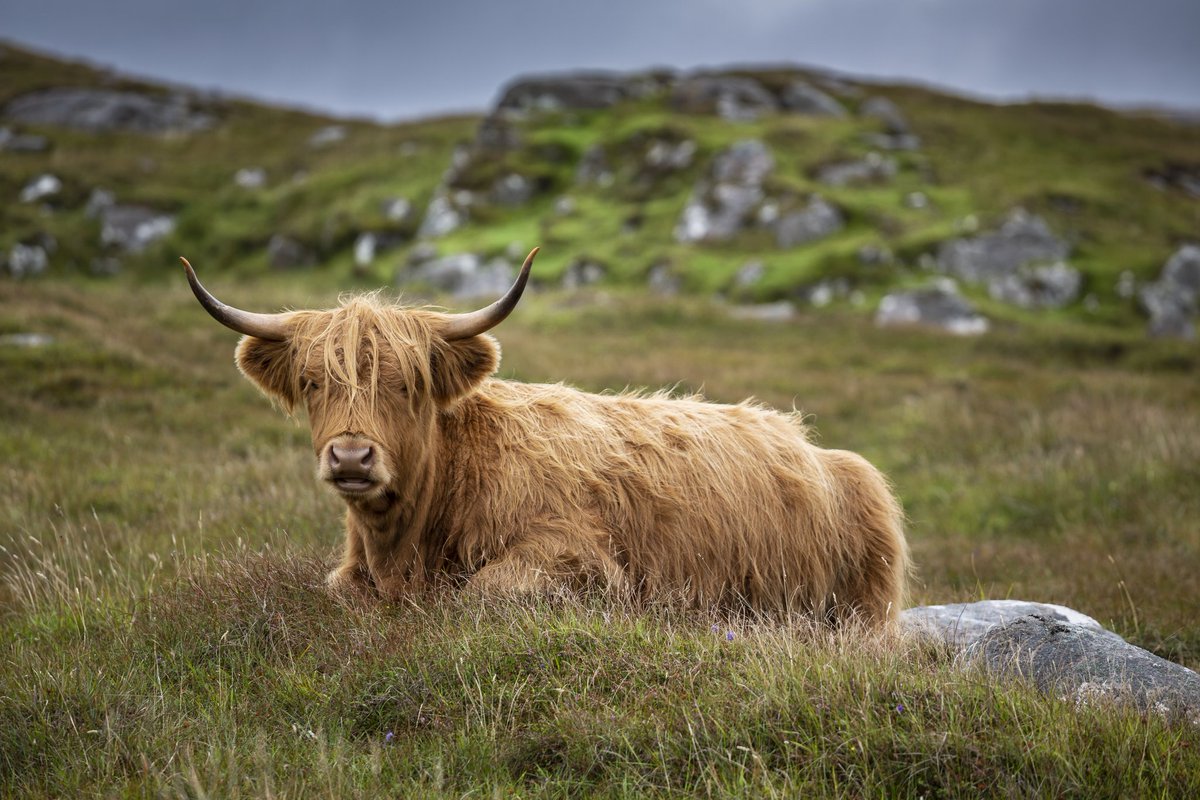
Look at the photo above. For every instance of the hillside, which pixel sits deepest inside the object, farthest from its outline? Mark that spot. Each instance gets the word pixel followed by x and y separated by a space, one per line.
pixel 777 184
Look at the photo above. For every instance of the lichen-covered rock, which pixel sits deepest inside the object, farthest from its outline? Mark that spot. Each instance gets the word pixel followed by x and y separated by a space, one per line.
pixel 99 110
pixel 732 98
pixel 1087 666
pixel 1023 241
pixel 26 260
pixel 13 142
pixel 250 177
pixel 874 168
pixel 1050 286
pixel 512 189
pixel 464 275
pixel 594 168
pixel 327 135
pixel 579 90
pixel 447 211
pixel 1173 300
pixel 938 305
pixel 726 199
pixel 800 97
pixel 40 188
pixel 886 112
pixel 133 228
pixel 817 220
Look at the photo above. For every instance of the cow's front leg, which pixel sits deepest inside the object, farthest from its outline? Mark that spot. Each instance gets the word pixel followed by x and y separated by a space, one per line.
pixel 556 556
pixel 353 575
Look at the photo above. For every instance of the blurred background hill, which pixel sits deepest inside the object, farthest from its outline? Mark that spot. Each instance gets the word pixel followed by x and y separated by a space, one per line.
pixel 770 187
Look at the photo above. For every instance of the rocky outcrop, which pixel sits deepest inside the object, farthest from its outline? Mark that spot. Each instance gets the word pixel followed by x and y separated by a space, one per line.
pixel 963 624
pixel 327 135
pixel 732 98
pixel 583 272
pixel 1173 300
pixel 874 168
pixel 132 228
pixel 1176 176
pixel 580 90
pixel 13 142
pixel 817 220
pixel 250 177
pixel 25 260
pixel 938 305
pixel 102 110
pixel 464 275
pixel 594 168
pixel 447 211
pixel 40 188
pixel 800 97
pixel 726 199
pixel 1021 263
pixel 1087 666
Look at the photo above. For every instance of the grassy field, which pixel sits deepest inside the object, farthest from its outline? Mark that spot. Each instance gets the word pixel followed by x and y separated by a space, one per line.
pixel 165 630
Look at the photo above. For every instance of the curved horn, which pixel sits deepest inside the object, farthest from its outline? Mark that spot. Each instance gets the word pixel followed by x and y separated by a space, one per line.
pixel 264 326
pixel 464 326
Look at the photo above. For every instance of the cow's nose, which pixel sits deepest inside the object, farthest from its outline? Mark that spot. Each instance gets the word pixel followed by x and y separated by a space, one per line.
pixel 351 459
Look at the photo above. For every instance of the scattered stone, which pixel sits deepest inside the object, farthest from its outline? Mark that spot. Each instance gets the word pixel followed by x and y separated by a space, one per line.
pixel 12 142
pixel 780 311
pixel 583 272
pixel 26 260
pixel 801 97
pixel 916 200
pixel 1052 286
pixel 330 134
pixel 938 305
pixel 498 133
pixel 397 209
pixel 24 339
pixel 736 99
pixel 513 189
pixel 749 274
pixel 364 250
pixel 464 275
pixel 1080 664
pixel 251 177
pixel 1173 300
pixel 1181 177
pixel 963 624
pixel 663 280
pixel 100 110
pixel 893 141
pixel 594 168
pixel 133 228
pixel 98 202
pixel 284 252
pixel 422 252
pixel 887 112
pixel 664 156
pixel 1023 240
pixel 816 221
pixel 445 214
pixel 875 255
pixel 1126 285
pixel 564 206
pixel 41 187
pixel 872 169
pixel 726 199
pixel 822 293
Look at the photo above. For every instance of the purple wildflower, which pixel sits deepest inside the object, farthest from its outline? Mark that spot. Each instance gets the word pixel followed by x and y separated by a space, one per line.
pixel 387 737
pixel 900 708
pixel 729 636
pixel 716 628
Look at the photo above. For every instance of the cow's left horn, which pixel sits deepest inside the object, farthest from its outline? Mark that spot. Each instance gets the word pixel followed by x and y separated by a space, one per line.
pixel 464 326
pixel 264 326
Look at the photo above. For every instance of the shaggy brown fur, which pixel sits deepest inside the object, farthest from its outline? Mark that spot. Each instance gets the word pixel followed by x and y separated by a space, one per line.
pixel 520 487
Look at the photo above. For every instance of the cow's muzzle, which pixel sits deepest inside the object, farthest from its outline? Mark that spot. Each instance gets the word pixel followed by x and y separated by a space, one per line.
pixel 350 466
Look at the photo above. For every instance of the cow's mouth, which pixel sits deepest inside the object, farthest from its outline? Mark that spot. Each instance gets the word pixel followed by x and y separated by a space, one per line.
pixel 353 485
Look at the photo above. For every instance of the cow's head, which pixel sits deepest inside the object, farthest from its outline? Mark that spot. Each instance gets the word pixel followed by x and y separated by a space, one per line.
pixel 372 376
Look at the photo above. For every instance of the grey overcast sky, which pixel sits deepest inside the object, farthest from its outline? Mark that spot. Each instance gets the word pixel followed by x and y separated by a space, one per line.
pixel 402 59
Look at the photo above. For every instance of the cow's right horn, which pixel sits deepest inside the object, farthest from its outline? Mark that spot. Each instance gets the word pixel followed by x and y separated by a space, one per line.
pixel 265 326
pixel 464 326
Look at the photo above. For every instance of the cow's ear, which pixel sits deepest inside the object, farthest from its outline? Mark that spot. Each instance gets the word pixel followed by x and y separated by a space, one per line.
pixel 269 366
pixel 457 368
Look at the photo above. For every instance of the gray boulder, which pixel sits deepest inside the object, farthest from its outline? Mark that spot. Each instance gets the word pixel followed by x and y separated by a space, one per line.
pixel 464 275
pixel 397 209
pixel 749 274
pixel 1088 667
pixel 133 228
pixel 447 211
pixel 582 90
pixel 1051 286
pixel 1172 300
pixel 872 169
pixel 886 112
pixel 1023 240
pixel 498 133
pixel 938 305
pixel 962 624
pixel 801 97
pixel 101 110
pixel 665 156
pixel 26 260
pixel 583 272
pixel 780 311
pixel 725 200
pixel 250 177
pixel 284 252
pixel 824 292
pixel 512 189
pixel 330 134
pixel 40 188
pixel 664 280
pixel 594 168
pixel 1183 177
pixel 24 339
pixel 893 141
pixel 13 142
pixel 817 220
pixel 737 99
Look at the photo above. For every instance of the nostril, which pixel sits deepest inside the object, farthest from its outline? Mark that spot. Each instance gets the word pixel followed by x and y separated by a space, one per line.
pixel 368 457
pixel 334 460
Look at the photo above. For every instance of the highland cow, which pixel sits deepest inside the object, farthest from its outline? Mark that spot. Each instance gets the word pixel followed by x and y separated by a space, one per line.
pixel 450 474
